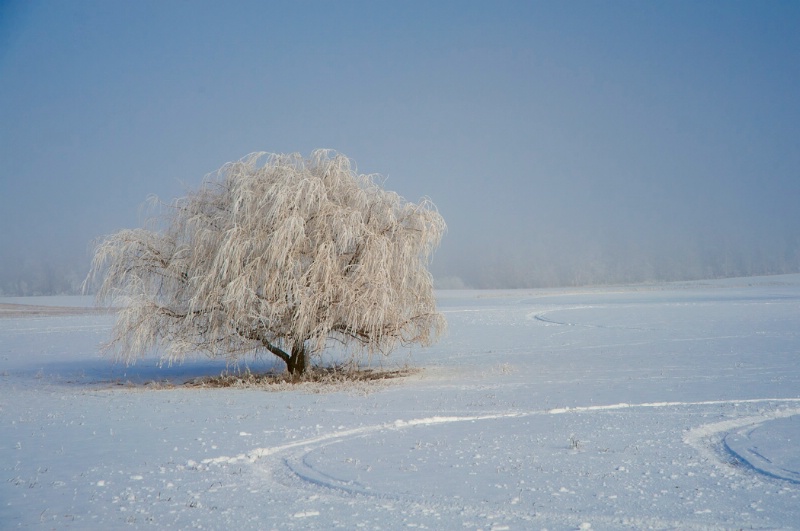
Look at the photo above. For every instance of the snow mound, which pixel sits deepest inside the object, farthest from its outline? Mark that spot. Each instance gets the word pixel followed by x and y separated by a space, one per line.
pixel 771 448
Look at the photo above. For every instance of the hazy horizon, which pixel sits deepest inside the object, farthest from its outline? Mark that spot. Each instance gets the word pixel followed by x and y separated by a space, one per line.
pixel 564 143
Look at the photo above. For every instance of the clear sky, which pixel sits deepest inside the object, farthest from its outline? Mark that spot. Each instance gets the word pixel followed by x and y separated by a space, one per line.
pixel 563 142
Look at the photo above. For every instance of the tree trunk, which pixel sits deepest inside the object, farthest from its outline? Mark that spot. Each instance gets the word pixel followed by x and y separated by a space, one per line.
pixel 297 361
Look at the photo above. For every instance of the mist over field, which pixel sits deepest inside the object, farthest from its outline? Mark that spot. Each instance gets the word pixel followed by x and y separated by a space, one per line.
pixel 564 144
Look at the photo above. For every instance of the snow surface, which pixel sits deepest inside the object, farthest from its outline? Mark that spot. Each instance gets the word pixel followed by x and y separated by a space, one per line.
pixel 668 406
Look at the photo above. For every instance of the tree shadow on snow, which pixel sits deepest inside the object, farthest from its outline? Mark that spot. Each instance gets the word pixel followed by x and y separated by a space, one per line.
pixel 201 373
pixel 144 373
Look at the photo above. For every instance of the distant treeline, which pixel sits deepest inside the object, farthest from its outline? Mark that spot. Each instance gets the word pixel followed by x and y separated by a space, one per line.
pixel 34 277
pixel 601 263
pixel 635 261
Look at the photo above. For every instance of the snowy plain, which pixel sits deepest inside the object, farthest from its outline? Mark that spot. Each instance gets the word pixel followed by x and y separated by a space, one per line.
pixel 670 406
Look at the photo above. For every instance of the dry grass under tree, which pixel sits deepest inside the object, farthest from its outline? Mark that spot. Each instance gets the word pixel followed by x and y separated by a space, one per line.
pixel 318 375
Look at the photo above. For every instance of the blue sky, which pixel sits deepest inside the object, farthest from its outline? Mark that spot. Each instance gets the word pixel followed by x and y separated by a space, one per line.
pixel 563 142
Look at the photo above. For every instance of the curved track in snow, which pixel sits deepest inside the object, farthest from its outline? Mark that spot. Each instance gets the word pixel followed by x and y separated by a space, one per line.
pixel 730 435
pixel 768 446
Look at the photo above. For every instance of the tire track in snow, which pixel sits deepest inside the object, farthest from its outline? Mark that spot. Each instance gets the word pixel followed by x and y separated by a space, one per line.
pixel 540 317
pixel 708 437
pixel 693 437
pixel 290 460
pixel 329 438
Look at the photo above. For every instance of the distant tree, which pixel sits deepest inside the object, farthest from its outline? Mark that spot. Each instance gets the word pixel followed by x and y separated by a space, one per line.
pixel 276 253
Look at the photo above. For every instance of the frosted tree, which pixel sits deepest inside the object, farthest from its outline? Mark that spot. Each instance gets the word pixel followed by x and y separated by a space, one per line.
pixel 275 253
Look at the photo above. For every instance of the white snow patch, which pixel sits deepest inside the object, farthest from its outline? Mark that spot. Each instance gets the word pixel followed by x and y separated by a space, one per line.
pixel 682 399
pixel 306 514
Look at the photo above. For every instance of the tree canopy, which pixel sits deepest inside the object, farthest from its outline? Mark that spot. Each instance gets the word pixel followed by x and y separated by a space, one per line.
pixel 275 252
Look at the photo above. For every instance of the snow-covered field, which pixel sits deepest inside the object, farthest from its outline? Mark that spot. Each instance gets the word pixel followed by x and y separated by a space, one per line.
pixel 671 406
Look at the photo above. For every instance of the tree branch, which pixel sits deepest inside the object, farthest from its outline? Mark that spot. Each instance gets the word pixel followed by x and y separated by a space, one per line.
pixel 256 336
